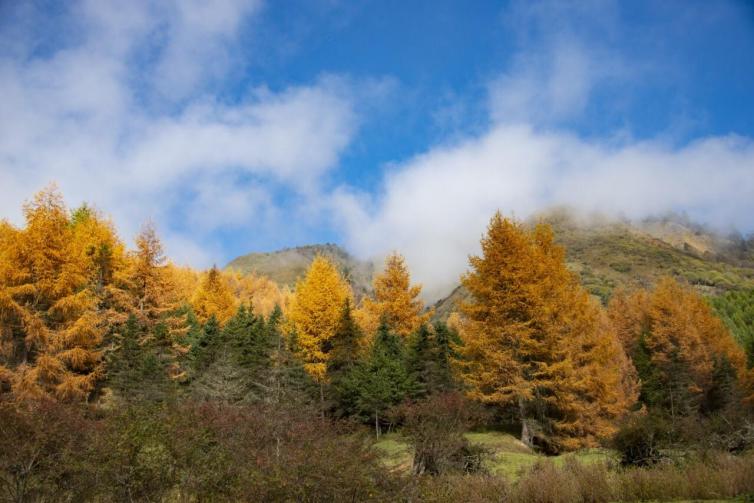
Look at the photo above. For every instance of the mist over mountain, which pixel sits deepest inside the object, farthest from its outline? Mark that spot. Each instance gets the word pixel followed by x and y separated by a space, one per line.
pixel 286 266
pixel 605 252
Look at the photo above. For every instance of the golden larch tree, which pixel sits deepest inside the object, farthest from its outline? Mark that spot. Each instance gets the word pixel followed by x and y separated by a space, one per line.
pixel 316 311
pixel 150 279
pixel 537 345
pixel 395 301
pixel 260 292
pixel 214 297
pixel 676 342
pixel 53 276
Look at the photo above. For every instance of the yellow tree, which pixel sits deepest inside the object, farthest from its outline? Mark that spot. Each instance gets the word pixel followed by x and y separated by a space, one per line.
pixel 150 279
pixel 536 345
pixel 260 292
pixel 680 348
pixel 395 301
pixel 187 281
pixel 97 244
pixel 214 297
pixel 53 274
pixel 315 313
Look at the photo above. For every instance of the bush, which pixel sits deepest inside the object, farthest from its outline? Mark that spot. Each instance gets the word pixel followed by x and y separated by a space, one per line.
pixel 640 439
pixel 45 446
pixel 435 427
pixel 184 452
pixel 466 488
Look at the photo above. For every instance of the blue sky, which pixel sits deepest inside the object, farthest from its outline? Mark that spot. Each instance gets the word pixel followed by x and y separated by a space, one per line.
pixel 251 125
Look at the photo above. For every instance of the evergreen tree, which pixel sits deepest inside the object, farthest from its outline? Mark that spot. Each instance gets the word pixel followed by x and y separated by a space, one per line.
pixel 202 351
pixel 124 363
pixel 723 389
pixel 136 370
pixel 421 361
pixel 430 354
pixel 445 339
pixel 345 345
pixel 284 382
pixel 379 382
pixel 736 309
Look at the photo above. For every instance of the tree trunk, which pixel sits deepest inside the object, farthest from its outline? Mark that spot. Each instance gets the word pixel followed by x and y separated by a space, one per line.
pixel 377 423
pixel 526 434
pixel 322 399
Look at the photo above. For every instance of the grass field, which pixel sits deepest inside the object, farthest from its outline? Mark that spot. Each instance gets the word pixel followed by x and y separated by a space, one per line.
pixel 507 455
pixel 511 460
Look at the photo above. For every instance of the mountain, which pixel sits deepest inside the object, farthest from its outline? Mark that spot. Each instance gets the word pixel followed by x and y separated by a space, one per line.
pixel 609 254
pixel 606 254
pixel 287 265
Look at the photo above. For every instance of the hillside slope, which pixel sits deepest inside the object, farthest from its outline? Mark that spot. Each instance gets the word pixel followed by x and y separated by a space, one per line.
pixel 287 265
pixel 608 255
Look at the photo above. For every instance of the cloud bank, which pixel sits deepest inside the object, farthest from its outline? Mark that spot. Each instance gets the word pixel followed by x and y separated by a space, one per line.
pixel 125 109
pixel 435 207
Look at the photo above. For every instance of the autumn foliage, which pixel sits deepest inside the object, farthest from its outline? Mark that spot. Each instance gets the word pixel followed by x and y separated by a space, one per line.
pixel 238 364
pixel 395 301
pixel 681 349
pixel 54 279
pixel 316 312
pixel 537 345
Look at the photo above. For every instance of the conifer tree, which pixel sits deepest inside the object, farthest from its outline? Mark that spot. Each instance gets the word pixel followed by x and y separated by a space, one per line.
pixel 316 315
pixel 136 368
pixel 149 279
pixel 535 345
pixel 345 344
pixel 214 298
pixel 285 383
pixel 380 381
pixel 736 309
pixel 51 291
pixel 395 301
pixel 683 353
pixel 446 340
pixel 123 370
pixel 421 361
pixel 203 351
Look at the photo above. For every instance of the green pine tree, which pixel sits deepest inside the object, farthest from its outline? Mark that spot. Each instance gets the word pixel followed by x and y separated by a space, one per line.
pixel 203 349
pixel 345 345
pixel 136 370
pixel 123 364
pixel 421 362
pixel 379 382
pixel 445 340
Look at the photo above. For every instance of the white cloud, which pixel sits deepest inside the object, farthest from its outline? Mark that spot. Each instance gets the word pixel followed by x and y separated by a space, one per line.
pixel 435 207
pixel 122 113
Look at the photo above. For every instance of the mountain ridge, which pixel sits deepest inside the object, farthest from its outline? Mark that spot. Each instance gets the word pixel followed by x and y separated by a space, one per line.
pixel 607 254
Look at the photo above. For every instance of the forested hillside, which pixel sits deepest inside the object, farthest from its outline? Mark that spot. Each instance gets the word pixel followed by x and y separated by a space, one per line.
pixel 609 255
pixel 125 377
pixel 285 267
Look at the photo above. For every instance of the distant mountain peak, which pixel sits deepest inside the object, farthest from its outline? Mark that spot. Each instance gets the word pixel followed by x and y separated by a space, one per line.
pixel 287 265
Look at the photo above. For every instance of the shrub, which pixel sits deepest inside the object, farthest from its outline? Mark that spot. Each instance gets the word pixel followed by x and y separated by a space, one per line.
pixel 467 488
pixel 639 440
pixel 44 448
pixel 435 427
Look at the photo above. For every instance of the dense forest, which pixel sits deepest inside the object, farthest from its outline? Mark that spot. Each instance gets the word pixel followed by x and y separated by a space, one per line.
pixel 124 377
